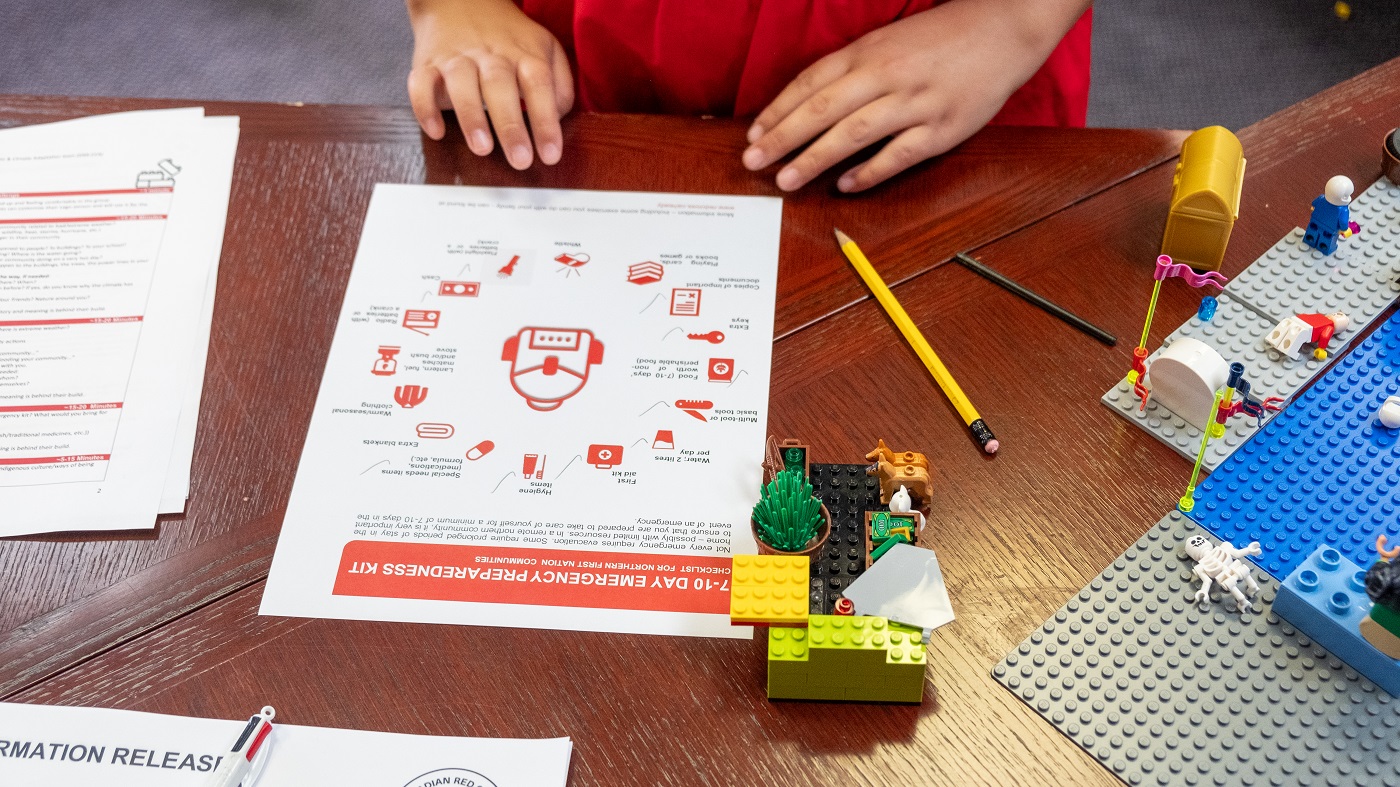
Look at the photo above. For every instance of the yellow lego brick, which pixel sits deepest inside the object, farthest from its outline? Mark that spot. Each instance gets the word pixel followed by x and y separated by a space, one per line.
pixel 838 657
pixel 769 590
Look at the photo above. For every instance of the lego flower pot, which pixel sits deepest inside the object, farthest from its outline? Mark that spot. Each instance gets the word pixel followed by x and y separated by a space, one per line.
pixel 1390 155
pixel 813 547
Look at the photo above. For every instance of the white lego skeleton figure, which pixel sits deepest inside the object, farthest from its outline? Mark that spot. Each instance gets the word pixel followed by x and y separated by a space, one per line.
pixel 1222 564
pixel 902 503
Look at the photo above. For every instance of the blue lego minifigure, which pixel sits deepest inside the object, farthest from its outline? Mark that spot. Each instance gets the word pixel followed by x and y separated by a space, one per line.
pixel 1330 215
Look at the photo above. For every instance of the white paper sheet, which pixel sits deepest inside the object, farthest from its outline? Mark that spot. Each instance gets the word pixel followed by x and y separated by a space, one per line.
pixel 99 316
pixel 53 746
pixel 541 409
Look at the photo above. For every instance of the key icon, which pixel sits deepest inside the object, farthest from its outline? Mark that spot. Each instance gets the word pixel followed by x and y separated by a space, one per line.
pixel 713 337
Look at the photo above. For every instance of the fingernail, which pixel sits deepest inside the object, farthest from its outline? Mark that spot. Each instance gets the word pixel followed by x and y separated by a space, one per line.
pixel 755 131
pixel 846 183
pixel 787 179
pixel 549 154
pixel 519 157
pixel 753 158
pixel 480 142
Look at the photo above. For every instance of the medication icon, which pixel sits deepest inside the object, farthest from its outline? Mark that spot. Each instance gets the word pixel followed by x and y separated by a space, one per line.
pixel 604 457
pixel 386 364
pixel 479 450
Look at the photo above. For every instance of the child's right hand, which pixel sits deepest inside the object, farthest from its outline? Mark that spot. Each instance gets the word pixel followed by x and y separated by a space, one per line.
pixel 472 52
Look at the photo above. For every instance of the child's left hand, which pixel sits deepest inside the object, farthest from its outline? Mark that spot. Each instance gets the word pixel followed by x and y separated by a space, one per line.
pixel 930 81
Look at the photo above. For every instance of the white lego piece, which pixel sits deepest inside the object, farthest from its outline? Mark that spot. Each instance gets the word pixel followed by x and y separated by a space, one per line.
pixel 1221 563
pixel 902 503
pixel 1389 413
pixel 1184 378
pixel 904 585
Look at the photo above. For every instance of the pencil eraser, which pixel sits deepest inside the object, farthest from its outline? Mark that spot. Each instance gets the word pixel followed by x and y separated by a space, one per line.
pixel 991 446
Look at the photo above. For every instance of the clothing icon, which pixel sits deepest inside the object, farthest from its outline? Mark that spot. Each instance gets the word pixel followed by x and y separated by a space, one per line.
pixel 410 396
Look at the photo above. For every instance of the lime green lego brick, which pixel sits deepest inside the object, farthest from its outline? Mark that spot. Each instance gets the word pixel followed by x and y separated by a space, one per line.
pixel 769 590
pixel 847 658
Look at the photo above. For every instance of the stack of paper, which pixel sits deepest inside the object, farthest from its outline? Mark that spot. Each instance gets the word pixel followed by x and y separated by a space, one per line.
pixel 110 233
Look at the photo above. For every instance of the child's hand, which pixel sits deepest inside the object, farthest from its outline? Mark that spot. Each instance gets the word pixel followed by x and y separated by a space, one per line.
pixel 930 81
pixel 473 52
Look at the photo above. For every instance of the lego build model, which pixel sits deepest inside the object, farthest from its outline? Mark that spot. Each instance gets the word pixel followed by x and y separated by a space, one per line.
pixel 1381 628
pixel 1331 218
pixel 1289 336
pixel 1221 564
pixel 1205 198
pixel 909 469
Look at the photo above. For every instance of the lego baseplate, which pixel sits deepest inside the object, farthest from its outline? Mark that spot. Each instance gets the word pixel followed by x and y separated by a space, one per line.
pixel 1163 692
pixel 1360 278
pixel 1237 333
pixel 848 493
pixel 1324 471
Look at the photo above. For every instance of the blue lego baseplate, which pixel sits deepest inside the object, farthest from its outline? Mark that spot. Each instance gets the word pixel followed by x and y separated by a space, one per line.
pixel 1161 691
pixel 1325 598
pixel 1324 471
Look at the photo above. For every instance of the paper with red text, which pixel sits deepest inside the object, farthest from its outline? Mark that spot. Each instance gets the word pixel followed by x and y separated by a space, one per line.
pixel 110 228
pixel 541 409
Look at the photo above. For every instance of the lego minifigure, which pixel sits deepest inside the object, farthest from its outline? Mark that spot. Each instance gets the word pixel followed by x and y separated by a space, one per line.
pixel 1293 332
pixel 1331 218
pixel 1221 564
pixel 1381 628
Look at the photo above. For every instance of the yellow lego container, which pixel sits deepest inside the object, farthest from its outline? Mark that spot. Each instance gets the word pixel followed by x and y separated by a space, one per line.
pixel 769 590
pixel 1205 198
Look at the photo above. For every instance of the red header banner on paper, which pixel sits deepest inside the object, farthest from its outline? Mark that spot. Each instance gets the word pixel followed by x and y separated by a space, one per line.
pixel 539 577
pixel 55 460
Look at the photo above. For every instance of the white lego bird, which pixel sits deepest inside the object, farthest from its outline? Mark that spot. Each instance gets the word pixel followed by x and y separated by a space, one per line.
pixel 902 503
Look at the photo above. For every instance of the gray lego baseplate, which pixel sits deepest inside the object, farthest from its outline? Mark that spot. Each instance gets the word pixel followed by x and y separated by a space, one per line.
pixel 1161 691
pixel 1359 278
pixel 1237 333
pixel 1362 278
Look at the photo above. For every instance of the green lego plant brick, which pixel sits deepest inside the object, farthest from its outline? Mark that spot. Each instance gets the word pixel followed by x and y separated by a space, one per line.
pixel 853 658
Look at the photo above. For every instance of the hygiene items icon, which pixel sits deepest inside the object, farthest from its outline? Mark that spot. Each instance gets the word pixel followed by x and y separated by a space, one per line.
pixel 549 365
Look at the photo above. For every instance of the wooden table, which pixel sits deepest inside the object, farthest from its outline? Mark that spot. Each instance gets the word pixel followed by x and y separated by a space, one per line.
pixel 167 622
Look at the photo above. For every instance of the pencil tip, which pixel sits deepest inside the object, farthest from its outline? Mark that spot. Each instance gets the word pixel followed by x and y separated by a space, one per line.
pixel 841 237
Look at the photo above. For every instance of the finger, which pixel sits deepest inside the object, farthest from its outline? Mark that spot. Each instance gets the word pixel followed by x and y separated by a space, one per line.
pixel 902 152
pixel 499 88
pixel 813 78
pixel 820 111
pixel 464 89
pixel 563 79
pixel 537 84
pixel 422 96
pixel 860 129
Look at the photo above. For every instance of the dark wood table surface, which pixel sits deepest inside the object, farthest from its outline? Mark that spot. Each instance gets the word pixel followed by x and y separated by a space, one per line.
pixel 166 621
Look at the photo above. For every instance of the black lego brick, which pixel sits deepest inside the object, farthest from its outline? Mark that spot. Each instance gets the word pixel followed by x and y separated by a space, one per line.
pixel 848 493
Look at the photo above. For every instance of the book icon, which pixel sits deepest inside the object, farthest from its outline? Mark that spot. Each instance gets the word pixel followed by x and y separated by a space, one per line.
pixel 645 272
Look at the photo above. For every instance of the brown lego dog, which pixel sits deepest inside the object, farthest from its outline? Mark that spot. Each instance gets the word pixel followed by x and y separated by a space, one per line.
pixel 909 469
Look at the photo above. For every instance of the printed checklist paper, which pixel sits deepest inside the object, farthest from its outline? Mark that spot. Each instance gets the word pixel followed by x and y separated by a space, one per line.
pixel 77 747
pixel 110 233
pixel 541 409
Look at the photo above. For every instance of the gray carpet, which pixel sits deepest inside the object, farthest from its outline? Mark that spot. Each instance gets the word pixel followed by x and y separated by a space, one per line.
pixel 1172 63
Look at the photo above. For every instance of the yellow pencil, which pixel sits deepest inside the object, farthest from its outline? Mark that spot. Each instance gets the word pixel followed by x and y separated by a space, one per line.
pixel 917 341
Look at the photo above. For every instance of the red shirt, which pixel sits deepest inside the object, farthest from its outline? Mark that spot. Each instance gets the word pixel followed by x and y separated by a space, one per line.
pixel 732 57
